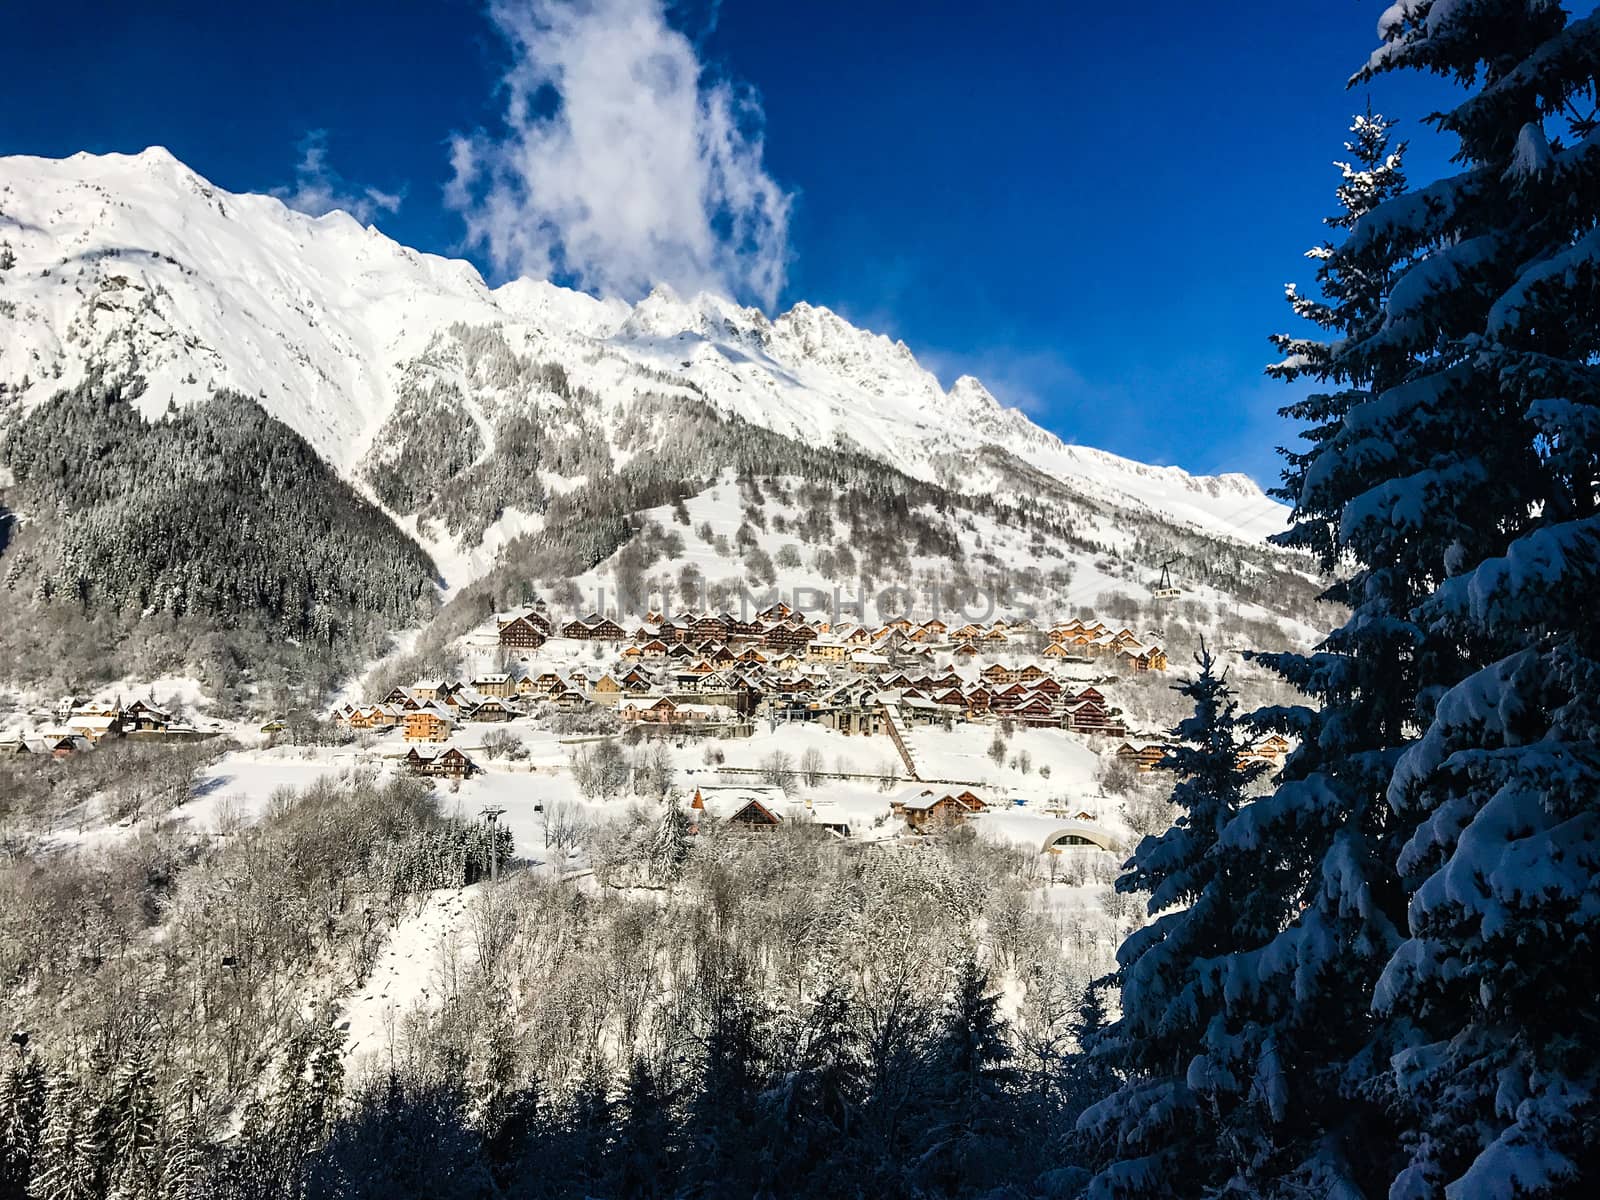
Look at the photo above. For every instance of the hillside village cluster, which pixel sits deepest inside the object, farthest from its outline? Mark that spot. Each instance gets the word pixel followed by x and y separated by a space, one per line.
pixel 715 671
pixel 719 674
pixel 76 724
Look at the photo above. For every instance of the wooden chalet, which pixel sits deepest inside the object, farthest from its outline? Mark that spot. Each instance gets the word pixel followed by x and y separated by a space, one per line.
pixel 64 746
pixel 581 629
pixel 1274 745
pixel 929 810
pixel 492 708
pixel 378 716
pixel 755 815
pixel 429 724
pixel 651 710
pixel 1143 758
pixel 496 683
pixel 1037 712
pixel 1089 716
pixel 789 636
pixel 144 717
pixel 524 633
pixel 449 764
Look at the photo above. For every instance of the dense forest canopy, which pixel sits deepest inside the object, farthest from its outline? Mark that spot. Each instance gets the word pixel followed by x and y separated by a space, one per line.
pixel 213 518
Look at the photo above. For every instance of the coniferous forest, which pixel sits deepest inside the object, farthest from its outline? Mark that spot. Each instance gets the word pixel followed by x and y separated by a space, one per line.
pixel 141 536
pixel 1371 972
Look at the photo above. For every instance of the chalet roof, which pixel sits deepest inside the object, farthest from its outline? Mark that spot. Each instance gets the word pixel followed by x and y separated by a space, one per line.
pixel 726 801
pixel 97 723
pixel 437 710
pixel 704 711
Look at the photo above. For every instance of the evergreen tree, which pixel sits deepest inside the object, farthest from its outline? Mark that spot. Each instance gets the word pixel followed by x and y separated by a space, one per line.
pixel 669 848
pixel 644 1164
pixel 832 1070
pixel 68 1163
pixel 185 1144
pixel 722 1159
pixel 1305 1065
pixel 407 1139
pixel 135 1127
pixel 583 1138
pixel 1489 460
pixel 815 1107
pixel 517 1144
pixel 23 1096
pixel 305 1103
pixel 1161 1132
pixel 1087 1077
pixel 970 1082
pixel 258 1164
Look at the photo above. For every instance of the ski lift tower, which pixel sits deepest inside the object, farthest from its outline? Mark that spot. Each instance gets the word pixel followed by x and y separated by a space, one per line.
pixel 492 814
pixel 1164 590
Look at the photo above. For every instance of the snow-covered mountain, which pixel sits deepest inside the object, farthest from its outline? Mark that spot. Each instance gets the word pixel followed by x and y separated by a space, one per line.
pixel 135 265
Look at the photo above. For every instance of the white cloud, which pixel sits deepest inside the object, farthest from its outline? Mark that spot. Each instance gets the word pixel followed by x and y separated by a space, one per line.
pixel 624 163
pixel 319 189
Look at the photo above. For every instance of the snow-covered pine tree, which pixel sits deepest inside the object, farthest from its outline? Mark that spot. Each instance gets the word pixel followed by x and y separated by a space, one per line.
pixel 813 1109
pixel 669 846
pixel 185 1143
pixel 1308 1059
pixel 970 1079
pixel 1490 459
pixel 22 1117
pixel 1165 1132
pixel 644 1162
pixel 520 1139
pixel 310 1084
pixel 67 1167
pixel 135 1161
pixel 832 1066
pixel 588 1126
pixel 726 1095
pixel 1086 1078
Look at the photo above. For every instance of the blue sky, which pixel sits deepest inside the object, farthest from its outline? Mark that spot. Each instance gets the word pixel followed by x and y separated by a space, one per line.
pixel 1092 208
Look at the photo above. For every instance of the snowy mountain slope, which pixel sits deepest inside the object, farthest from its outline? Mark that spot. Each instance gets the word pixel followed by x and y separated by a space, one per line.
pixel 1062 579
pixel 134 265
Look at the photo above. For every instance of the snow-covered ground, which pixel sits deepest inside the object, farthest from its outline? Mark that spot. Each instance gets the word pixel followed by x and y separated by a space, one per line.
pixel 710 549
pixel 233 791
pixel 416 969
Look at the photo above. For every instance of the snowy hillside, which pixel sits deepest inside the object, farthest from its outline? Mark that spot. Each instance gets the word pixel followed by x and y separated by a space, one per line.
pixel 137 266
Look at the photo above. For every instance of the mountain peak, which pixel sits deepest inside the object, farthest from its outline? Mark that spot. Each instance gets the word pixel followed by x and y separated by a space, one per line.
pixel 969 388
pixel 155 272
